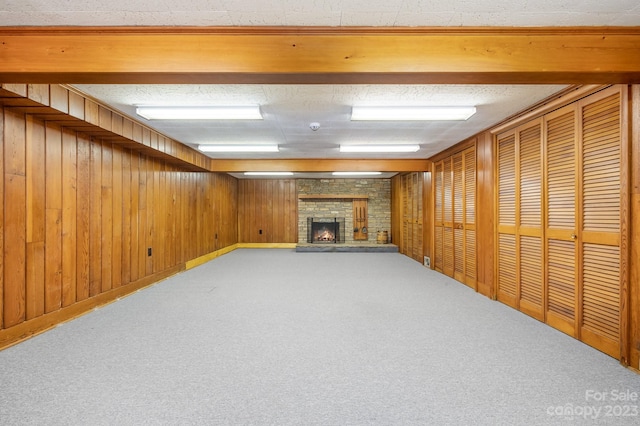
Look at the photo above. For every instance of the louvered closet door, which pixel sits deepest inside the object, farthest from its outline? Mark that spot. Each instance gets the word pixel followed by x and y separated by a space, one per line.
pixel 520 254
pixel 407 229
pixel 455 216
pixel 438 217
pixel 458 217
pixel 448 253
pixel 529 220
pixel 599 236
pixel 561 230
pixel 417 180
pixel 469 216
pixel 507 261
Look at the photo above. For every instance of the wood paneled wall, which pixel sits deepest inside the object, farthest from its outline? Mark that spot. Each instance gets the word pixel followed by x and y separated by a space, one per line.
pixel 83 217
pixel 267 211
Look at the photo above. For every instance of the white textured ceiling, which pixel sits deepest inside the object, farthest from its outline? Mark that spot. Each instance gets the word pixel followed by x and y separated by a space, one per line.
pixel 321 12
pixel 288 109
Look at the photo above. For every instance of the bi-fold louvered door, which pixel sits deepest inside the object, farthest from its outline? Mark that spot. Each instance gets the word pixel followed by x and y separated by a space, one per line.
pixel 412 230
pixel 454 204
pixel 560 186
pixel 520 259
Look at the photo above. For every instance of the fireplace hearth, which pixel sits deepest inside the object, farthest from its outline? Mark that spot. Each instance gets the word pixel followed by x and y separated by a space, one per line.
pixel 325 230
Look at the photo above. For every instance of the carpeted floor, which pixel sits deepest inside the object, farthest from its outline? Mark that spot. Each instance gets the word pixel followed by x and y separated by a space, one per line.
pixel 275 337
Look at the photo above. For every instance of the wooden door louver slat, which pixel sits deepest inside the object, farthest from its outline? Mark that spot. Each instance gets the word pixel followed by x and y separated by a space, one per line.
pixel 507 181
pixel 561 278
pixel 531 278
pixel 507 269
pixel 561 172
pixel 530 180
pixel 601 175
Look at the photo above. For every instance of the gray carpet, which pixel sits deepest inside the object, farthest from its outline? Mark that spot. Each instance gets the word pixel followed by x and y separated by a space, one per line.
pixel 274 337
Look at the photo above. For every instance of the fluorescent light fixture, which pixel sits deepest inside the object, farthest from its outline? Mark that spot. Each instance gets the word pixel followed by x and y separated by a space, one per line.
pixel 200 112
pixel 356 173
pixel 411 113
pixel 268 173
pixel 379 148
pixel 238 148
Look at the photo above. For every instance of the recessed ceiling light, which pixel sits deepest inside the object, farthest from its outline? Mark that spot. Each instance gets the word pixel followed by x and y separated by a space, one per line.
pixel 356 173
pixel 251 112
pixel 379 148
pixel 268 173
pixel 238 148
pixel 411 113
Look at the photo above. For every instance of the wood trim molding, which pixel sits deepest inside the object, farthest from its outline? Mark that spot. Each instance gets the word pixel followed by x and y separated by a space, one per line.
pixel 320 55
pixel 319 165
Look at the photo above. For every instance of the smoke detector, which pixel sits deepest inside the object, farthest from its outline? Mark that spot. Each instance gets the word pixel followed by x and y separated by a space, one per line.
pixel 314 126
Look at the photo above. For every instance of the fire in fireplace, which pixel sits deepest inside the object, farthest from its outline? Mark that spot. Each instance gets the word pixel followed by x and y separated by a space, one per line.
pixel 325 230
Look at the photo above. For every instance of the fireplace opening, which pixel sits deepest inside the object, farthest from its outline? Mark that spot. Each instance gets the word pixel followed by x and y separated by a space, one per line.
pixel 325 230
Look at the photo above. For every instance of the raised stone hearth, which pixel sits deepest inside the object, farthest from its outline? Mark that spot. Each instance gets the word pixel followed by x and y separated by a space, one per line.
pixel 350 247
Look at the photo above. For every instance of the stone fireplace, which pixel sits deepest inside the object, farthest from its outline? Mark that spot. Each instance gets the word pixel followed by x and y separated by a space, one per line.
pixel 325 230
pixel 338 198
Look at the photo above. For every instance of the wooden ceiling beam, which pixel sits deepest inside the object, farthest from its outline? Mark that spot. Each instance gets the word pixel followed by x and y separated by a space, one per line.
pixel 294 55
pixel 319 165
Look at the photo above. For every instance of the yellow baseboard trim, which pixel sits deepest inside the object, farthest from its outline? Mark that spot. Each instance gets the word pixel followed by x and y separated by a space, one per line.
pixel 210 256
pixel 267 245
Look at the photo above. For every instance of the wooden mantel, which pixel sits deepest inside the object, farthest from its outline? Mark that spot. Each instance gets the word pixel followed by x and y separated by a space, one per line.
pixel 332 197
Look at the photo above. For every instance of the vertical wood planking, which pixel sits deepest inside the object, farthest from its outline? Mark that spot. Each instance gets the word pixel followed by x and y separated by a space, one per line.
pixel 106 242
pixel 35 209
pixel 78 213
pixel 14 218
pixel 127 213
pixel 53 233
pixel 149 224
pixel 83 213
pixel 2 224
pixel 485 218
pixel 141 247
pixel 69 206
pixel 269 205
pixel 135 216
pixel 116 216
pixel 95 219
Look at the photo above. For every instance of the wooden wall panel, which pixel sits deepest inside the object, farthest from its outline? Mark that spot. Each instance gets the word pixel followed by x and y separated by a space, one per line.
pixel 69 214
pixel 2 144
pixel 35 163
pixel 117 174
pixel 83 209
pixel 53 219
pixel 267 211
pixel 95 219
pixel 485 222
pixel 15 220
pixel 80 213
